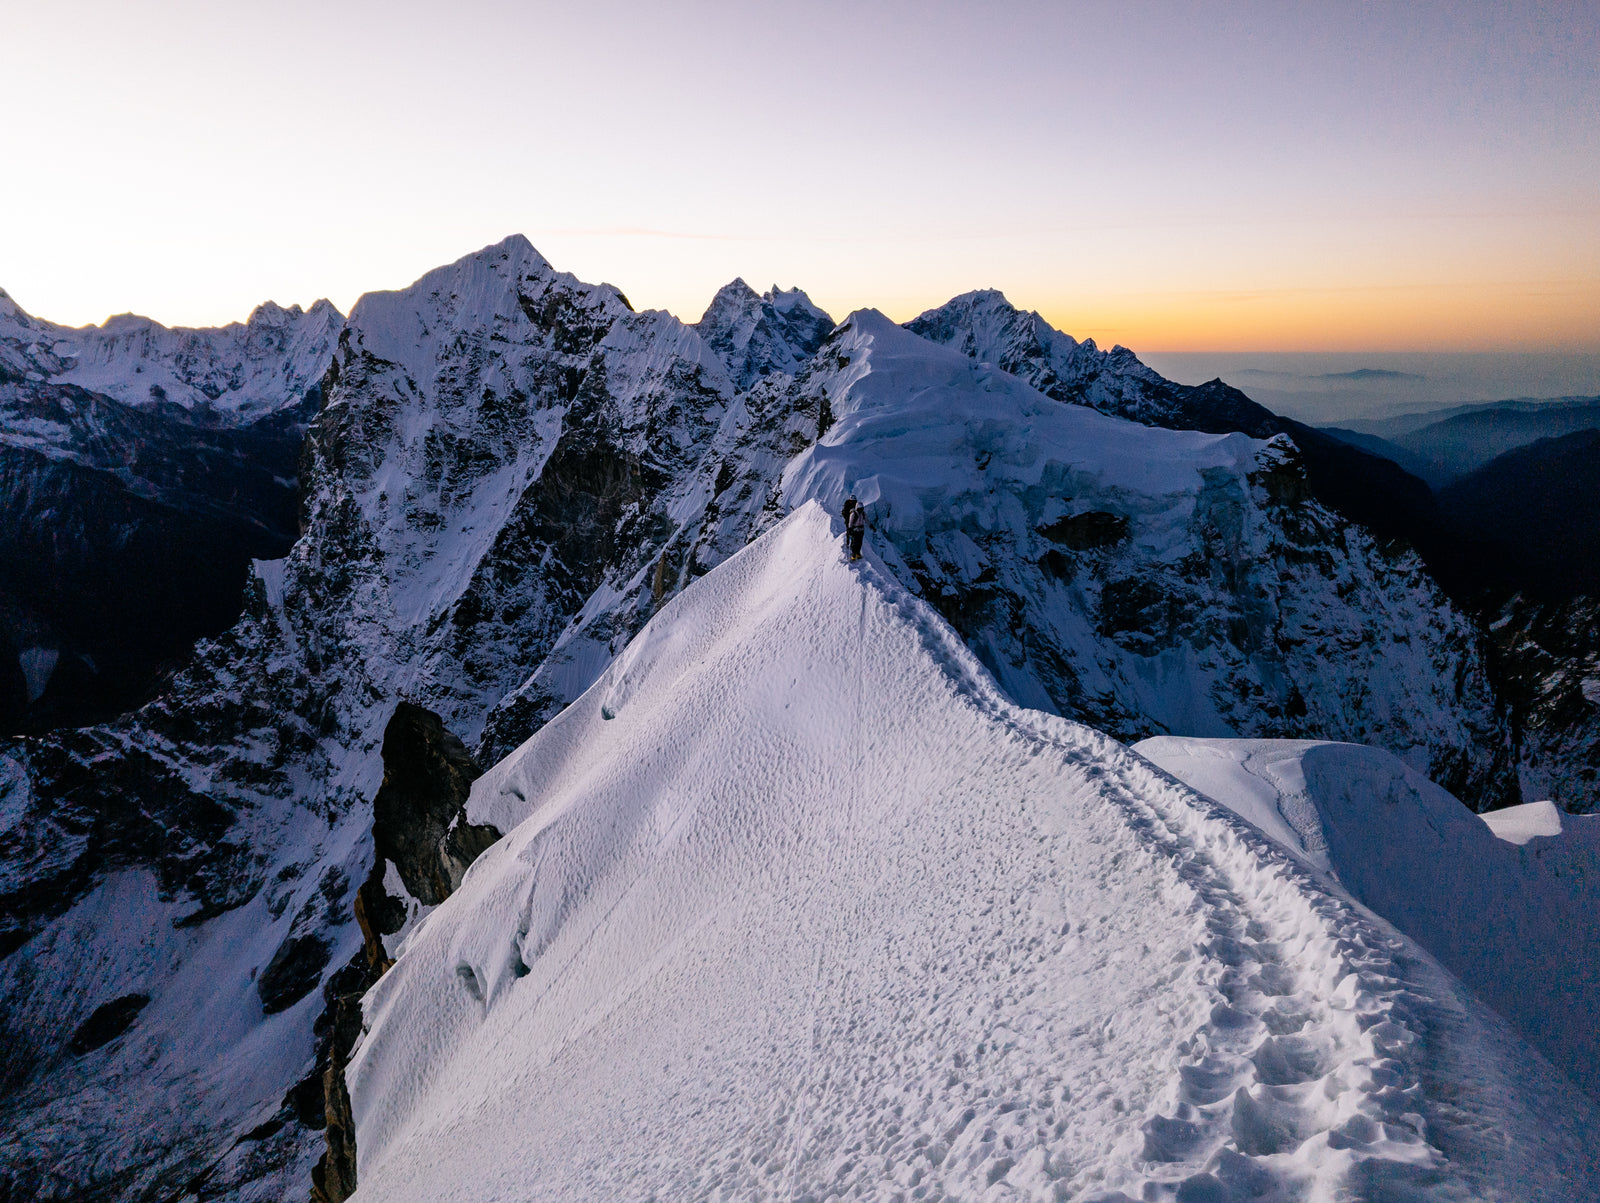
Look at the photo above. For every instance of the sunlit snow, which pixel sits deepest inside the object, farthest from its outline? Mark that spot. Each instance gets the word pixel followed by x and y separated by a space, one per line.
pixel 796 904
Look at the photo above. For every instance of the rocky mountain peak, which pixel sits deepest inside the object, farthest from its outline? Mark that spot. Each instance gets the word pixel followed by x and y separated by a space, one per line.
pixel 11 312
pixel 759 335
pixel 504 293
pixel 984 325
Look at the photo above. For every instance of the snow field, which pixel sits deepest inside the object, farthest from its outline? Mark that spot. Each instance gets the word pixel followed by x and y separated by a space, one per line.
pixel 797 905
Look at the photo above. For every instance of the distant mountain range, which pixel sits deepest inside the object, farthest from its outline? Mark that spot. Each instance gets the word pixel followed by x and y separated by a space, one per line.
pixel 1357 374
pixel 1443 445
pixel 141 469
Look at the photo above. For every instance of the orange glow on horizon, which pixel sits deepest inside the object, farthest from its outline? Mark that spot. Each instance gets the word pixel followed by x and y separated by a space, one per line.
pixel 1558 316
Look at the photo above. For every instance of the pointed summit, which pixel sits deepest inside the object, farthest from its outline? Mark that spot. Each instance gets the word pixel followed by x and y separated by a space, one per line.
pixel 756 336
pixel 504 288
pixel 11 311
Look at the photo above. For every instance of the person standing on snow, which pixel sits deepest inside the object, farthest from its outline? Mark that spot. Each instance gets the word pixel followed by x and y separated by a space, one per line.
pixel 855 526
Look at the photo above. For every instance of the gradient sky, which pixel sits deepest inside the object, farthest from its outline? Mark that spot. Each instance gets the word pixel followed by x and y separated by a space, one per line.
pixel 1172 177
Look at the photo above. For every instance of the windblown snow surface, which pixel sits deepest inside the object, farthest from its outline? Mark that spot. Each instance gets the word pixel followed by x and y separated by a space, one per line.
pixel 796 904
pixel 1513 916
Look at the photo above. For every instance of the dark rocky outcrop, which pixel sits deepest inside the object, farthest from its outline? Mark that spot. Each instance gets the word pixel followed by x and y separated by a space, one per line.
pixel 418 825
pixel 107 1022
pixel 1544 657
pixel 417 822
pixel 333 1178
pixel 1081 532
pixel 80 826
pixel 293 972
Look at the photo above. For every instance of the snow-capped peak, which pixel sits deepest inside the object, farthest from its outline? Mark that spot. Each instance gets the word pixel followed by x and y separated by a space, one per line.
pixel 503 288
pixel 755 336
pixel 984 325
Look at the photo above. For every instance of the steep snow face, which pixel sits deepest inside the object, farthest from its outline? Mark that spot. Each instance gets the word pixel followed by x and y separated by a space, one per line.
pixel 874 930
pixel 240 371
pixel 1513 917
pixel 1530 821
pixel 756 336
pixel 1142 580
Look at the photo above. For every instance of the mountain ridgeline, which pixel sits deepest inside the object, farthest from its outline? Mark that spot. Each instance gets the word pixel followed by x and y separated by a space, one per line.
pixel 504 474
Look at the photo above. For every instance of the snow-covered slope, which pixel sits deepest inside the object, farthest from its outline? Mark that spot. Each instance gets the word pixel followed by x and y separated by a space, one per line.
pixel 873 931
pixel 1363 487
pixel 1143 580
pixel 1513 917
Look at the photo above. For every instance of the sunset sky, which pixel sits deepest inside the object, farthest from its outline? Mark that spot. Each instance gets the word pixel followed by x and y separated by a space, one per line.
pixel 1171 177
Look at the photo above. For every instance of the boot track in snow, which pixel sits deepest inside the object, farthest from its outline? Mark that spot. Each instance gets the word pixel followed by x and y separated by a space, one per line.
pixel 987 953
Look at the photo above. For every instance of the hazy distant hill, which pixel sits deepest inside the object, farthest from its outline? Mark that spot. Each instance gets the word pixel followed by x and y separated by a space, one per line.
pixel 1445 445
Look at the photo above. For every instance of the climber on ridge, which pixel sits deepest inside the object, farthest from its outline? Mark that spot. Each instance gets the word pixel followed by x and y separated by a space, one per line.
pixel 855 525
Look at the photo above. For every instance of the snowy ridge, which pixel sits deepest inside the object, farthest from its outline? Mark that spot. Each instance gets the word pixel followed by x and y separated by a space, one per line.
pixel 1142 580
pixel 512 473
pixel 1514 922
pixel 877 930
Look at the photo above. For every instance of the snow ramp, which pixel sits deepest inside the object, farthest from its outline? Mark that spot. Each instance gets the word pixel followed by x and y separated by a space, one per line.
pixel 795 904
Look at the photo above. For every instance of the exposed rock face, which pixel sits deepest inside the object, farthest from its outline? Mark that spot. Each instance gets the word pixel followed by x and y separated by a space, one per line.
pixel 774 333
pixel 427 773
pixel 419 827
pixel 333 1178
pixel 1087 531
pixel 107 1022
pixel 293 972
pixel 1546 660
